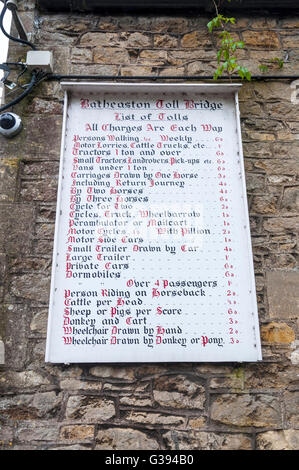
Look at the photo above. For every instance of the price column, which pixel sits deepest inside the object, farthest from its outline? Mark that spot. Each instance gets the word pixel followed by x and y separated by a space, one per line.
pixel 224 194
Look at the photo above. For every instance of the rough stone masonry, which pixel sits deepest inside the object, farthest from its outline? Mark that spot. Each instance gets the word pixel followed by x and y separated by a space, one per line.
pixel 226 406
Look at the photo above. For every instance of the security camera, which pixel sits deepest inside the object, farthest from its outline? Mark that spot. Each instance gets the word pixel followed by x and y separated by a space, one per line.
pixel 10 124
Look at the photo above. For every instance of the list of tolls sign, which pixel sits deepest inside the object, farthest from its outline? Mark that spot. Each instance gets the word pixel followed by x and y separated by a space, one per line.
pixel 152 255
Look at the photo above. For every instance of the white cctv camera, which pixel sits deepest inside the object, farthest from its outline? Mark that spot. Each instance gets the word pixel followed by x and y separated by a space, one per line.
pixel 10 124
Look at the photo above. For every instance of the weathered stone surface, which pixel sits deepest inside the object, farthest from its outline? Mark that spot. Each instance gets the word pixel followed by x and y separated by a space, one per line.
pixel 42 106
pixel 77 432
pixel 282 290
pixel 30 431
pixel 75 384
pixel 282 224
pixel 16 239
pixel 261 39
pixel 169 24
pixel 153 56
pixel 256 377
pixel 110 55
pixel 94 69
pixel 99 39
pixel 137 70
pixel 135 401
pixel 255 182
pixel 264 204
pixel 165 41
pixel 124 439
pixel 247 410
pixel 178 392
pixel 277 167
pixel 87 408
pixel 291 400
pixel 136 40
pixel 30 407
pixel 27 380
pixel 290 200
pixel 45 191
pixel 40 136
pixel 156 419
pixel 275 332
pixel 14 318
pixel 196 39
pixel 114 372
pixel 290 40
pixel 81 55
pixel 179 440
pixel 2 352
pixel 278 440
pixel 35 287
pixel 9 168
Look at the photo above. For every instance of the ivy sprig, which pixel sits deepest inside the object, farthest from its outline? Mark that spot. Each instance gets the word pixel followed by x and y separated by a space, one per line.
pixel 226 59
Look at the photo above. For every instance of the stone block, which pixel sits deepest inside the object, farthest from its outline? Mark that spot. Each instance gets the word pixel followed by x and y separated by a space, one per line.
pixel 33 287
pixel 247 410
pixel 153 56
pixel 264 204
pixel 89 408
pixel 154 419
pixel 110 55
pixel 124 439
pixel 165 41
pixel 290 200
pixel 287 439
pixel 40 136
pixel 290 40
pixel 16 238
pixel 30 431
pixel 42 106
pixel 181 440
pixel 277 333
pixel 195 39
pixel 9 168
pixel 291 400
pixel 15 319
pixel 160 24
pixel 279 225
pixel 178 392
pixel 136 40
pixel 93 39
pixel 261 39
pixel 27 380
pixel 77 432
pixel 283 294
pixel 39 190
pixel 2 352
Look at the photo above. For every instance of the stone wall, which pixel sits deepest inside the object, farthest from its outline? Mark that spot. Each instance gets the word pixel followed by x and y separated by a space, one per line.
pixel 179 406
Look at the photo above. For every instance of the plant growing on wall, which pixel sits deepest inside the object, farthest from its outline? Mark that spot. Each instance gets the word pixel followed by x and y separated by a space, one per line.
pixel 226 55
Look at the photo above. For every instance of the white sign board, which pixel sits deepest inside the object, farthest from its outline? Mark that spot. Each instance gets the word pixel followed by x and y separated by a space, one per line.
pixel 152 255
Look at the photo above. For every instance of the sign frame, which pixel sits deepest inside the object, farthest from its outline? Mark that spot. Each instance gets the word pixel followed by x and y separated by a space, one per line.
pixel 122 88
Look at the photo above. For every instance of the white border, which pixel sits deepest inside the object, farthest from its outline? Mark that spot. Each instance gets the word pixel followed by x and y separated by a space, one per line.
pixel 147 87
pixel 58 204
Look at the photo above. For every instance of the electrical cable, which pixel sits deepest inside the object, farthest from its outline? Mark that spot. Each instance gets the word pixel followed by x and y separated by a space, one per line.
pixel 34 81
pixel 22 41
pixel 166 77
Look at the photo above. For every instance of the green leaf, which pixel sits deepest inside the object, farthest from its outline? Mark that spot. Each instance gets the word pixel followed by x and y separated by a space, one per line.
pixel 210 26
pixel 279 62
pixel 248 75
pixel 263 68
pixel 219 55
